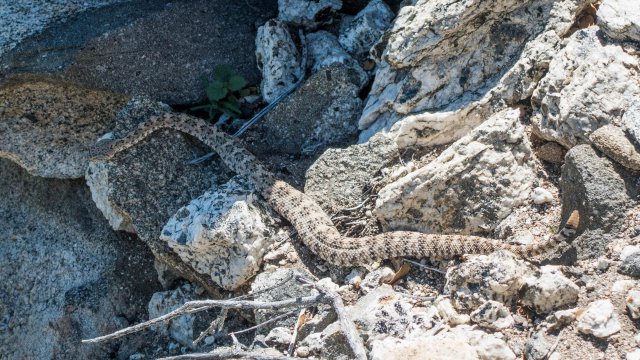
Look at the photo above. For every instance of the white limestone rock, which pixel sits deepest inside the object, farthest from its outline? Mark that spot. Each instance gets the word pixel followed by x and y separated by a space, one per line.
pixel 628 251
pixel 324 51
pixel 620 19
pixel 633 303
pixel 449 314
pixel 634 355
pixel 541 196
pixel 498 276
pixel 493 315
pixel 180 328
pixel 278 59
pixel 470 187
pixel 450 65
pixel 307 13
pixel 599 319
pixel 589 84
pixel 549 290
pixel 224 233
pixel 362 31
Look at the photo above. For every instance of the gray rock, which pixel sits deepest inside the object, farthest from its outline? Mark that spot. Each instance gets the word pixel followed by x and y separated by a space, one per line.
pixel 48 126
pixel 549 290
pixel 498 276
pixel 443 195
pixel 599 319
pixel 631 120
pixel 149 182
pixel 306 13
pixel 591 184
pixel 620 19
pixel 65 274
pixel 325 51
pixel 538 346
pixel 279 337
pixel 612 141
pixel 165 54
pixel 322 111
pixel 631 265
pixel 493 315
pixel 278 59
pixel 589 84
pixel 338 178
pixel 362 31
pixel 633 303
pixel 180 328
pixel 223 233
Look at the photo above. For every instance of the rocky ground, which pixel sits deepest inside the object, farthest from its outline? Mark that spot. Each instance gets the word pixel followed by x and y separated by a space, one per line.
pixel 490 118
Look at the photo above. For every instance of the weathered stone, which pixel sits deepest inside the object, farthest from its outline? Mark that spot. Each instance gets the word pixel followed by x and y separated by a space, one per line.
pixel 165 54
pixel 591 185
pixel 324 51
pixel 541 196
pixel 362 31
pixel 278 59
pixel 451 65
pixel 599 319
pixel 48 126
pixel 551 152
pixel 322 111
pixel 65 274
pixel 498 276
pixel 180 328
pixel 223 233
pixel 631 265
pixel 491 166
pixel 493 315
pixel 633 303
pixel 306 13
pixel 612 141
pixel 538 346
pixel 631 120
pixel 338 178
pixel 549 290
pixel 620 19
pixel 589 84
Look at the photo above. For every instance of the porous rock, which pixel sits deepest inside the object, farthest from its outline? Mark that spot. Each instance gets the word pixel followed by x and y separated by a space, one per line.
pixel 633 303
pixel 631 265
pixel 362 31
pixel 589 84
pixel 324 51
pixel 306 13
pixel 322 111
pixel 443 195
pixel 591 184
pixel 223 233
pixel 180 328
pixel 493 315
pixel 48 126
pixel 337 180
pixel 498 276
pixel 549 290
pixel 612 141
pixel 538 346
pixel 278 59
pixel 620 19
pixel 599 319
pixel 551 151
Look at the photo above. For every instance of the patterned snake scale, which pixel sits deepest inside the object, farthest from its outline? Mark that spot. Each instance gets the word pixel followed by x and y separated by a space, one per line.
pixel 313 225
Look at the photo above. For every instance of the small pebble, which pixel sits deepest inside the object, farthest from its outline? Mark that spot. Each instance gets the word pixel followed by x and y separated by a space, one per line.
pixel 541 196
pixel 633 303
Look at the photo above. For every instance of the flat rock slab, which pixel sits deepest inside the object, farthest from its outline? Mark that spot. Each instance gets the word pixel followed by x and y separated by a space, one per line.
pixel 66 275
pixel 47 126
pixel 156 48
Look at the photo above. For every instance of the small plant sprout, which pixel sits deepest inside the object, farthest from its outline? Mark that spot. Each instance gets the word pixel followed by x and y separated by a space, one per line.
pixel 224 92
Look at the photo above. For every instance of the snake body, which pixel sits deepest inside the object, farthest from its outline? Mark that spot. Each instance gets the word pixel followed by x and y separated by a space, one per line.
pixel 312 224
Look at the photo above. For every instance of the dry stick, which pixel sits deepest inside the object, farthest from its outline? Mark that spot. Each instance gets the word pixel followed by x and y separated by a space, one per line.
pixel 200 305
pixel 229 355
pixel 215 326
pixel 275 318
pixel 294 336
pixel 346 325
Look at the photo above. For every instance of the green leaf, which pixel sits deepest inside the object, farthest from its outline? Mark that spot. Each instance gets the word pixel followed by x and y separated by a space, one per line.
pixel 236 82
pixel 216 91
pixel 222 73
pixel 233 107
pixel 200 107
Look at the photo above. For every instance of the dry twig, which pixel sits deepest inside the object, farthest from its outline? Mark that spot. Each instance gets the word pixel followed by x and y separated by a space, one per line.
pixel 229 355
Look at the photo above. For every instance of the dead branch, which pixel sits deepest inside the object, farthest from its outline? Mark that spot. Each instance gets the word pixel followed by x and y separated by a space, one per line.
pixel 275 318
pixel 229 355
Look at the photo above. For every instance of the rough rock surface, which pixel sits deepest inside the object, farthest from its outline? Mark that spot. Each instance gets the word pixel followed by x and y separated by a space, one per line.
pixel 589 84
pixel 599 319
pixel 493 315
pixel 498 276
pixel 324 51
pixel 631 265
pixel 491 166
pixel 620 19
pixel 65 274
pixel 278 59
pixel 444 55
pixel 223 233
pixel 338 178
pixel 48 126
pixel 180 328
pixel 612 141
pixel 305 13
pixel 591 184
pixel 633 303
pixel 549 290
pixel 362 31
pixel 322 111
pixel 631 120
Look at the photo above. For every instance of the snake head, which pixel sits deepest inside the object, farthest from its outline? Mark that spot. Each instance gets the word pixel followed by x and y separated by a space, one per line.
pixel 102 150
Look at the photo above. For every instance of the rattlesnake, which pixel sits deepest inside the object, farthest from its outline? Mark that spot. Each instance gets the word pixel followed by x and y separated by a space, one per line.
pixel 313 225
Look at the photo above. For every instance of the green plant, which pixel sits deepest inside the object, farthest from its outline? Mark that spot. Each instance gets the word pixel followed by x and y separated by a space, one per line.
pixel 224 92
